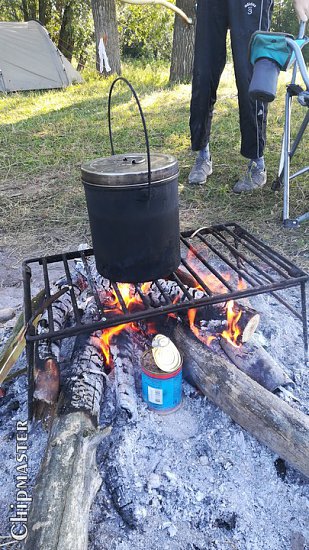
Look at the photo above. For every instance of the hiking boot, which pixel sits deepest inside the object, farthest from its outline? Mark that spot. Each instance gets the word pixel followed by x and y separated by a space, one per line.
pixel 254 179
pixel 200 170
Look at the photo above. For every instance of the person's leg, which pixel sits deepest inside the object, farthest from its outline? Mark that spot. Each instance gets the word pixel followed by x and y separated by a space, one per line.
pixel 209 62
pixel 244 20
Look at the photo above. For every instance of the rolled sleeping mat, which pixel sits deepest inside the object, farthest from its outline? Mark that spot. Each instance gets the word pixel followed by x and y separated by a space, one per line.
pixel 263 85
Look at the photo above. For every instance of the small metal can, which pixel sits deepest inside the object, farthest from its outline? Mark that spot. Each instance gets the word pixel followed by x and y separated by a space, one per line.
pixel 162 376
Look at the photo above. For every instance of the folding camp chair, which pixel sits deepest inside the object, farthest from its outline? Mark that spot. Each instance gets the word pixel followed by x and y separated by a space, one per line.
pixel 284 51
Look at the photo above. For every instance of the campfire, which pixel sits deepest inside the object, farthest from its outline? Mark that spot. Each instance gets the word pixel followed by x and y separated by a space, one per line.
pixel 203 307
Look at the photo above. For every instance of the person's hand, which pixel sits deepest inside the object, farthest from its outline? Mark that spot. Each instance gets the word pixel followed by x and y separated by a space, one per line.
pixel 302 9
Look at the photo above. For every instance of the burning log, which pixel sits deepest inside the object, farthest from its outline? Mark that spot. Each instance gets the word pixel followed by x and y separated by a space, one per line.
pixel 257 363
pixel 122 352
pixel 271 420
pixel 68 479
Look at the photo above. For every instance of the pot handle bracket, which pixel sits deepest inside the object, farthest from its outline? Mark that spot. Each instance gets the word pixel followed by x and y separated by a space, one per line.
pixel 143 121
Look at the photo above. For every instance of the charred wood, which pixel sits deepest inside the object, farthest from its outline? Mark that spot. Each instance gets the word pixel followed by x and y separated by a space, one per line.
pixel 257 363
pixel 66 486
pixel 84 387
pixel 272 421
pixel 46 374
pixel 46 390
pixel 68 479
pixel 122 353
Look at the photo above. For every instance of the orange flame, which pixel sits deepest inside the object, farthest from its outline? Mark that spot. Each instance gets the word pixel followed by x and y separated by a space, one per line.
pixel 241 285
pixel 233 331
pixel 106 337
pixel 131 300
pixel 205 339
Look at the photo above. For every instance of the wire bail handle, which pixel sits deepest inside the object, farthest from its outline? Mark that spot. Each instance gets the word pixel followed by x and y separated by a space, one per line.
pixel 143 121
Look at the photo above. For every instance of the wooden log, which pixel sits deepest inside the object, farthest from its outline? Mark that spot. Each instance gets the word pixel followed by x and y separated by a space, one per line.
pixel 122 353
pixel 66 486
pixel 257 363
pixel 272 421
pixel 46 375
pixel 68 479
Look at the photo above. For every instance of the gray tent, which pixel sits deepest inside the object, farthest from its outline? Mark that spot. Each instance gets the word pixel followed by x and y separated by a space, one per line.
pixel 30 61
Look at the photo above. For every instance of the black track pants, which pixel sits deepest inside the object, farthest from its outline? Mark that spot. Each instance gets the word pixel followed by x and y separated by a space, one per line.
pixel 214 18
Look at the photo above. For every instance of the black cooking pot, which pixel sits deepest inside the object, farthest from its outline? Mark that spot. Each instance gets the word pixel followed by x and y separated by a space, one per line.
pixel 132 202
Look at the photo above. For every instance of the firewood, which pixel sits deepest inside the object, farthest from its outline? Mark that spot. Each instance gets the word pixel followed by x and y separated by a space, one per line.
pixel 68 479
pixel 248 318
pixel 46 390
pixel 46 374
pixel 272 421
pixel 257 363
pixel 122 353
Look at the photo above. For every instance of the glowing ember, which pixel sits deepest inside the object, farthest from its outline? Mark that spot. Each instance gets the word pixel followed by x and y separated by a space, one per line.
pixel 233 330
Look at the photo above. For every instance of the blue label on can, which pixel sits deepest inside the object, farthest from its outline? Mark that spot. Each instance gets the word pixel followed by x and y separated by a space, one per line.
pixel 162 393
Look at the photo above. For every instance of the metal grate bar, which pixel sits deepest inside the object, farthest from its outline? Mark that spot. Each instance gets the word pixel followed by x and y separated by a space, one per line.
pixel 47 294
pixel 120 298
pixel 282 301
pixel 239 254
pixel 207 264
pixel 197 277
pixel 227 261
pixel 254 250
pixel 183 288
pixel 144 298
pixel 227 244
pixel 72 293
pixel 286 264
pixel 165 296
pixel 153 312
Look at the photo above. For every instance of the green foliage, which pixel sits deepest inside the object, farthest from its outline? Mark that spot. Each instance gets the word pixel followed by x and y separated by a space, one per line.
pixel 145 31
pixel 11 10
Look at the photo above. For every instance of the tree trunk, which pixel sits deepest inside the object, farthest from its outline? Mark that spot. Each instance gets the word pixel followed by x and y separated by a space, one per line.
pixel 44 9
pixel 105 24
pixel 183 44
pixel 66 36
pixel 29 9
pixel 25 10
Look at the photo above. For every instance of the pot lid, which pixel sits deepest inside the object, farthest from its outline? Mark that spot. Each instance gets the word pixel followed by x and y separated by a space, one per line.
pixel 129 169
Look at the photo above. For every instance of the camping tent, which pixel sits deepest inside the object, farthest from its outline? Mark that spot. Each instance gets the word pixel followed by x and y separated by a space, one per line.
pixel 30 61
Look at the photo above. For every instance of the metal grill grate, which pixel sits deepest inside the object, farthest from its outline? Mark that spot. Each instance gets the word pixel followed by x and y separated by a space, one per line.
pixel 234 264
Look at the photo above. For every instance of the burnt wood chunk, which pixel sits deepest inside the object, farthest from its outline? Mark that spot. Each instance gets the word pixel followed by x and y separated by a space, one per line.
pixel 68 479
pixel 122 353
pixel 257 363
pixel 272 421
pixel 66 486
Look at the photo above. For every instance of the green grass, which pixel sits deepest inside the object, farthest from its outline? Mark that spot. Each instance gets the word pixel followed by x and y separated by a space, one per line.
pixel 45 136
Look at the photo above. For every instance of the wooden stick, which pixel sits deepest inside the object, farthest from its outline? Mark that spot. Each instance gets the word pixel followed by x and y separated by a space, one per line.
pixel 165 4
pixel 272 421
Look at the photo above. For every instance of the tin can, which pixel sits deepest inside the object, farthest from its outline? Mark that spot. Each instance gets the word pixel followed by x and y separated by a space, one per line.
pixel 161 387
